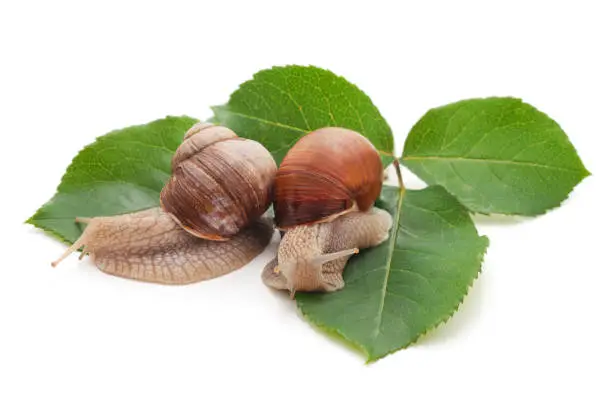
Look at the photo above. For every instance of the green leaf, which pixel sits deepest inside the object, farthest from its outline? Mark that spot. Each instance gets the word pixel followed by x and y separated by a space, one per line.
pixel 496 155
pixel 396 292
pixel 121 172
pixel 281 104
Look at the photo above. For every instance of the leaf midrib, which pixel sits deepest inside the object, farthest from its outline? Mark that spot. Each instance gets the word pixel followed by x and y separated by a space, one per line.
pixel 285 126
pixel 392 242
pixel 263 120
pixel 489 161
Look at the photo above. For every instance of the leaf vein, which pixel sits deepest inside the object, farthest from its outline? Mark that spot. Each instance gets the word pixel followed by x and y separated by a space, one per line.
pixel 392 243
pixel 489 161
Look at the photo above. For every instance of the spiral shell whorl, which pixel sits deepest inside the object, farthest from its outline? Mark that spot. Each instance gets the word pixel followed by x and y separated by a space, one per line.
pixel 220 183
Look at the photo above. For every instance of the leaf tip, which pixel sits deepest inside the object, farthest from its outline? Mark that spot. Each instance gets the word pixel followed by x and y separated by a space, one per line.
pixel 32 219
pixel 585 173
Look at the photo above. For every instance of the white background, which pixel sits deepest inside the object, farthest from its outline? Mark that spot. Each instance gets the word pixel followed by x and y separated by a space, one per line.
pixel 535 328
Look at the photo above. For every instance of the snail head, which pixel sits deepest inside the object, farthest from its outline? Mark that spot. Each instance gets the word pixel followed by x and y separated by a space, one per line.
pixel 306 274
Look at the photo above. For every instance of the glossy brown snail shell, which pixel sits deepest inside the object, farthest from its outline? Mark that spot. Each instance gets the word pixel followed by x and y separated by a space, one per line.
pixel 220 182
pixel 328 172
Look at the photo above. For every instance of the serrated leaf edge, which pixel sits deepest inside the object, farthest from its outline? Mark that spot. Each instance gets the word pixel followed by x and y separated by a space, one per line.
pixel 584 172
pixel 450 315
pixel 364 351
pixel 361 348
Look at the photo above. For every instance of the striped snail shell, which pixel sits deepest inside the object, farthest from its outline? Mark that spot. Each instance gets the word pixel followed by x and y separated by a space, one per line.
pixel 220 182
pixel 327 173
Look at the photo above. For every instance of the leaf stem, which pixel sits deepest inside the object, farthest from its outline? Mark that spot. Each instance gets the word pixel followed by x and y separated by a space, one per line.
pixel 399 173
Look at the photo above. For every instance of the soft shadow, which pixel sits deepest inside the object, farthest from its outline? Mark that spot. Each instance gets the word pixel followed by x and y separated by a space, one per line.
pixel 462 321
pixel 282 299
pixel 335 339
pixel 498 219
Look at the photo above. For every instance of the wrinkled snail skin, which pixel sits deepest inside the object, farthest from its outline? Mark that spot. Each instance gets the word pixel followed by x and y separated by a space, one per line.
pixel 149 246
pixel 313 257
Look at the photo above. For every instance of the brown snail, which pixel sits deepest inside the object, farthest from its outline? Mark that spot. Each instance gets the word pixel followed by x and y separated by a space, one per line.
pixel 219 183
pixel 209 223
pixel 328 172
pixel 324 192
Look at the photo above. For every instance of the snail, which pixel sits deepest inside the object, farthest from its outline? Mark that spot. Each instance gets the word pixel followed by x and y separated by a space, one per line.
pixel 209 222
pixel 325 189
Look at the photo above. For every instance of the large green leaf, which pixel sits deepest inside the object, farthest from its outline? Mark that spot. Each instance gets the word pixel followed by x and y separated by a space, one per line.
pixel 496 155
pixel 121 172
pixel 281 104
pixel 414 281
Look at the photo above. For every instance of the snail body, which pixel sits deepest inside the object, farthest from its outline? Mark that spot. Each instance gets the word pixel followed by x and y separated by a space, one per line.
pixel 325 190
pixel 150 246
pixel 313 257
pixel 209 221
